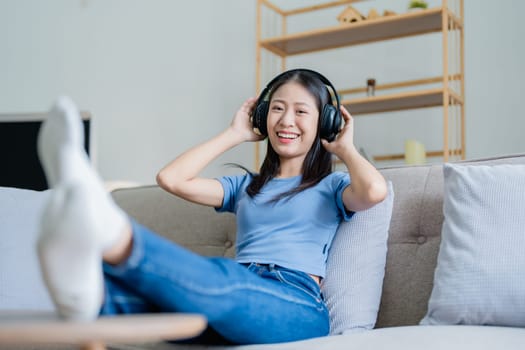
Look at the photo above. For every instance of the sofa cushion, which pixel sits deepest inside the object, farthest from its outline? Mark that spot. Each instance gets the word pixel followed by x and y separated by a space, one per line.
pixel 480 273
pixel 21 284
pixel 356 267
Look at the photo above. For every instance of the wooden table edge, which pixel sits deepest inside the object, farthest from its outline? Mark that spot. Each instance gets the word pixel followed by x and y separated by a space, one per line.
pixel 92 335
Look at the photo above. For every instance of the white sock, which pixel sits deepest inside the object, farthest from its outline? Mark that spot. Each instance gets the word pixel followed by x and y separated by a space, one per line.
pixel 60 136
pixel 61 152
pixel 70 258
pixel 80 221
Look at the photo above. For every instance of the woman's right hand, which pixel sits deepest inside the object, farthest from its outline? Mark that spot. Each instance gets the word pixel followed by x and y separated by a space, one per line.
pixel 241 123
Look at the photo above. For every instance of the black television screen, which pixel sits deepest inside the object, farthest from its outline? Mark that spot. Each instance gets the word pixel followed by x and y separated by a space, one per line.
pixel 20 166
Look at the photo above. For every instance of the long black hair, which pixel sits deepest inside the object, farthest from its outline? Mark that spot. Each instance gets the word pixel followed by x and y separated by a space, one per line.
pixel 318 161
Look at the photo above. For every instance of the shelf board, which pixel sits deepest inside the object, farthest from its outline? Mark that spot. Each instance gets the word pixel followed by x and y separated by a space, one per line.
pixel 382 28
pixel 429 154
pixel 398 101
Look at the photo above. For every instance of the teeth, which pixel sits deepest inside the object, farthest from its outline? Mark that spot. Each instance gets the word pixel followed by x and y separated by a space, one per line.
pixel 287 136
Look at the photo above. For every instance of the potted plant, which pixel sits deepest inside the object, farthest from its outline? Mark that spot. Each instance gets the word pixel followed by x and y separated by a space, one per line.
pixel 417 5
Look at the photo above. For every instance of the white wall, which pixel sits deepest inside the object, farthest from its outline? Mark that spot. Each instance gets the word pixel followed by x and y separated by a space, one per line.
pixel 161 75
pixel 495 76
pixel 158 76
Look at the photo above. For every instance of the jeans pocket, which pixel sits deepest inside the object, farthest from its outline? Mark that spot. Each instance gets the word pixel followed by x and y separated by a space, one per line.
pixel 300 281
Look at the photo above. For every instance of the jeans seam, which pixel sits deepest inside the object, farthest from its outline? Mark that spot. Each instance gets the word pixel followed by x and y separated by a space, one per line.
pixel 305 290
pixel 150 269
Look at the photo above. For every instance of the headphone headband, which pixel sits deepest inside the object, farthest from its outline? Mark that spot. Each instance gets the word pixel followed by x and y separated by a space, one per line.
pixel 321 77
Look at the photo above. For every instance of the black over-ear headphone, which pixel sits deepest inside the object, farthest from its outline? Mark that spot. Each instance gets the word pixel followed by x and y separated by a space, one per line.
pixel 330 116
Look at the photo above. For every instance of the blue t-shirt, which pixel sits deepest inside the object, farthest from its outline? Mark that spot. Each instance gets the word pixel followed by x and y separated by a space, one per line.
pixel 296 232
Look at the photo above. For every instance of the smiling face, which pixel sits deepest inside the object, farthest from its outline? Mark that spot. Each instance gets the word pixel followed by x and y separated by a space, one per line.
pixel 293 119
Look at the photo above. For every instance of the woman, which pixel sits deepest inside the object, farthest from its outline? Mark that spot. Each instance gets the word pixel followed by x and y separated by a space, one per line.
pixel 287 216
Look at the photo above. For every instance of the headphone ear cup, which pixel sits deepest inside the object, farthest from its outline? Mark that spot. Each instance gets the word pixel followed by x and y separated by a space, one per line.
pixel 260 116
pixel 330 122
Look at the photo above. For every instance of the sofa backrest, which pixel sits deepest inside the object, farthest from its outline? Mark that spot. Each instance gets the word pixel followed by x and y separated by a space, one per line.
pixel 413 243
pixel 193 226
pixel 414 239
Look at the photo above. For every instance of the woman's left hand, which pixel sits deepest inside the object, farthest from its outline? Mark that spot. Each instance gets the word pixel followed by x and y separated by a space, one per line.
pixel 345 139
pixel 368 186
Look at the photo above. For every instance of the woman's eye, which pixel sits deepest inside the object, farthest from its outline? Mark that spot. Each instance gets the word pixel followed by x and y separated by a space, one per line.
pixel 277 108
pixel 301 112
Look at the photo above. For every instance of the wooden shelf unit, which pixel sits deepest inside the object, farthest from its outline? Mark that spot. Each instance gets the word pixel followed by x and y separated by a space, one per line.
pixel 444 19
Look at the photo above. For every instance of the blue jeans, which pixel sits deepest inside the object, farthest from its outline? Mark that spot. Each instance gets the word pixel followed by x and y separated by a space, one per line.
pixel 244 303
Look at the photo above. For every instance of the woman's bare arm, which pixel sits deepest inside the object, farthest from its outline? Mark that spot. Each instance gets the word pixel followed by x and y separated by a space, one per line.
pixel 181 176
pixel 368 187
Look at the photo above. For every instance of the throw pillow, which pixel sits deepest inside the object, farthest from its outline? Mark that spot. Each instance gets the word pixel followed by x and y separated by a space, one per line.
pixel 21 284
pixel 480 272
pixel 356 267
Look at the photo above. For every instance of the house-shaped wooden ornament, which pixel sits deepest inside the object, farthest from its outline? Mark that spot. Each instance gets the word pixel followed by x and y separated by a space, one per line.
pixel 350 15
pixel 372 14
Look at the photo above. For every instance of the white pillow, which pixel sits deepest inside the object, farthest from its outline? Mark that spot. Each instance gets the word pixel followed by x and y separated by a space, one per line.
pixel 356 267
pixel 480 273
pixel 21 284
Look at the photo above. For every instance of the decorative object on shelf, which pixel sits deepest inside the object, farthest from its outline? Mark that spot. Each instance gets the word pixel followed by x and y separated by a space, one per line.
pixel 372 14
pixel 370 87
pixel 350 15
pixel 389 13
pixel 417 5
pixel 415 152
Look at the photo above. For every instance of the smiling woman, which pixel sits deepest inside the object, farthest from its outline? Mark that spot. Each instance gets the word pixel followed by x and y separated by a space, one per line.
pixel 286 216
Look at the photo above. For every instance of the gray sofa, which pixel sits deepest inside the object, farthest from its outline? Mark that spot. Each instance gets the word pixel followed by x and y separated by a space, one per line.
pixel 413 245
